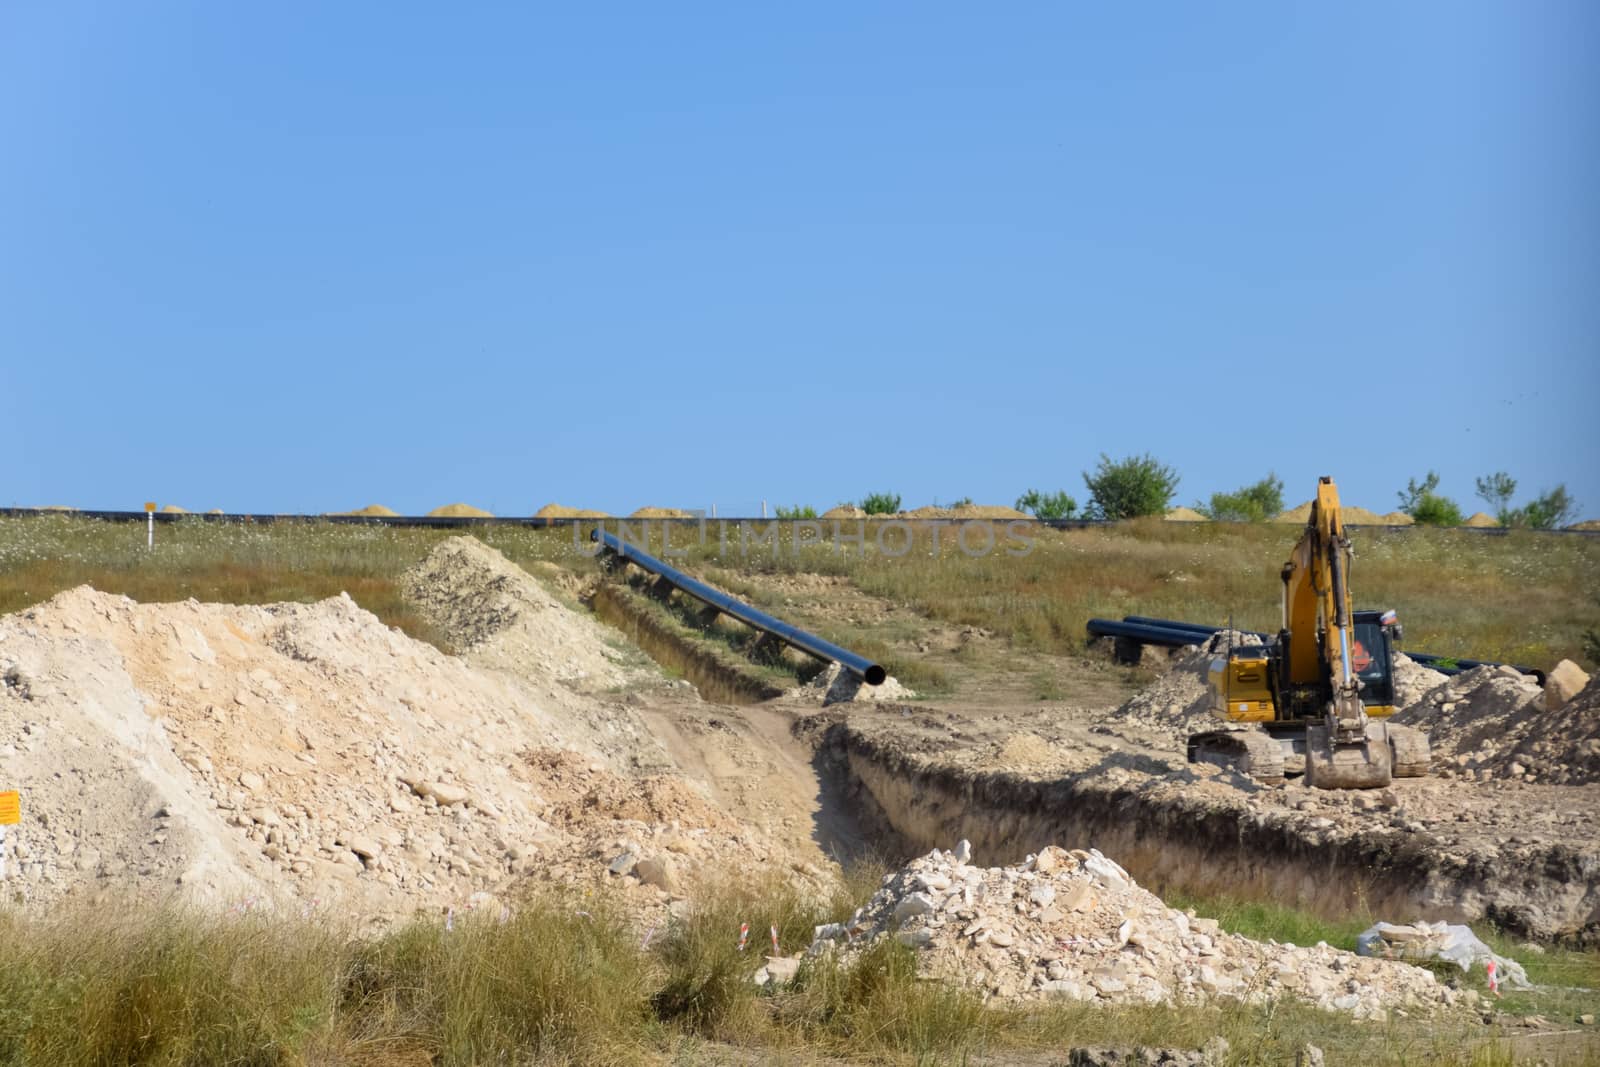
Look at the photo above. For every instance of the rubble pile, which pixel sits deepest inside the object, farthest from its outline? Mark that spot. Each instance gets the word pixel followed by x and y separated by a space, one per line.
pixel 1492 723
pixel 1177 704
pixel 835 685
pixel 1074 924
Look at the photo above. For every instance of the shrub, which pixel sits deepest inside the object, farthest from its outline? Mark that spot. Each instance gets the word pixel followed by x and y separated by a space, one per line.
pixel 1436 510
pixel 1057 505
pixel 799 511
pixel 1427 507
pixel 1253 503
pixel 1130 487
pixel 880 503
pixel 1547 511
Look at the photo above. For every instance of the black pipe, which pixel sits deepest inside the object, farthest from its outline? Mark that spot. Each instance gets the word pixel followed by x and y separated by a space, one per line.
pixel 1427 659
pixel 1172 637
pixel 810 643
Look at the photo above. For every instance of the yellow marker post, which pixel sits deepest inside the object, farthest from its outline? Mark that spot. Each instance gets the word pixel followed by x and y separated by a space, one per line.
pixel 150 523
pixel 10 815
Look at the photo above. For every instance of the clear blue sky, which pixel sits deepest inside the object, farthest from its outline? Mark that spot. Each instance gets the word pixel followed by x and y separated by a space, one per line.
pixel 302 257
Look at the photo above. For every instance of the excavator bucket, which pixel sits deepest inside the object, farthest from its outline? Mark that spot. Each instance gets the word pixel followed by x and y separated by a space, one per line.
pixel 1364 764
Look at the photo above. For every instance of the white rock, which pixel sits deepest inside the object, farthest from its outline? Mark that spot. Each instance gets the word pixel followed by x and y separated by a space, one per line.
pixel 913 905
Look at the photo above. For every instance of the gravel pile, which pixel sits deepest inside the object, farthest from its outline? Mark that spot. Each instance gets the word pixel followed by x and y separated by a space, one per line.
pixel 1178 704
pixel 1073 924
pixel 1493 723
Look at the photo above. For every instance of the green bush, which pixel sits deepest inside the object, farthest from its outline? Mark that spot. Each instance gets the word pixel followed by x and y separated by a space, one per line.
pixel 1427 507
pixel 799 511
pixel 1547 511
pixel 1131 487
pixel 1253 503
pixel 1436 510
pixel 1057 505
pixel 880 503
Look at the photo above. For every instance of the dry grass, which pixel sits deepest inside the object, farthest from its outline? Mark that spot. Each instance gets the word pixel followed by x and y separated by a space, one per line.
pixel 561 982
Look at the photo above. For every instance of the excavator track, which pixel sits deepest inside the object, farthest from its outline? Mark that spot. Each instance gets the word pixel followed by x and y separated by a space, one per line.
pixel 1409 751
pixel 1247 749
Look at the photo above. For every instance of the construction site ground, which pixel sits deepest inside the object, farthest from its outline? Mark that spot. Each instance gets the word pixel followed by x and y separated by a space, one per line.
pixel 306 757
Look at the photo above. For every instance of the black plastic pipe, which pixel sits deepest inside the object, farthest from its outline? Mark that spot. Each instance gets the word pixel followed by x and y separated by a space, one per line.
pixel 1144 632
pixel 810 643
pixel 1428 659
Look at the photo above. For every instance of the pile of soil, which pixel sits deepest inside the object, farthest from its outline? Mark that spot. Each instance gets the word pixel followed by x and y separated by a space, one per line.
pixel 661 513
pixel 1178 703
pixel 1481 519
pixel 965 511
pixel 173 509
pixel 561 511
pixel 1183 514
pixel 1491 723
pixel 459 511
pixel 844 511
pixel 1398 518
pixel 370 509
pixel 1586 524
pixel 1075 925
pixel 1351 514
pixel 306 755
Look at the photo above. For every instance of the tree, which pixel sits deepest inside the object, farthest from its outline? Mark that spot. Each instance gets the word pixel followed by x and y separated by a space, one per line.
pixel 880 503
pixel 1253 503
pixel 1413 493
pixel 1426 507
pixel 1544 512
pixel 1131 487
pixel 1547 511
pixel 1496 490
pixel 1057 505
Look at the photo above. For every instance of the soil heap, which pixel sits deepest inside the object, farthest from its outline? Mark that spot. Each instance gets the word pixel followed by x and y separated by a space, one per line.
pixel 1491 722
pixel 1178 703
pixel 1183 514
pixel 661 513
pixel 1074 924
pixel 459 511
pixel 561 511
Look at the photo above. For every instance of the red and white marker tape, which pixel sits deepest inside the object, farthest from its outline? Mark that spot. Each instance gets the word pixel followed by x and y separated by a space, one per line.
pixel 1494 977
pixel 744 935
pixel 775 951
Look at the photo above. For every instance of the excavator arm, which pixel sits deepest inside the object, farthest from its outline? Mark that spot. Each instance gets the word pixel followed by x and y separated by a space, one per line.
pixel 1345 749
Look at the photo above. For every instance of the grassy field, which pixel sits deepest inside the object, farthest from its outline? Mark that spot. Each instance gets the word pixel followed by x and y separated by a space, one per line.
pixel 570 981
pixel 1520 596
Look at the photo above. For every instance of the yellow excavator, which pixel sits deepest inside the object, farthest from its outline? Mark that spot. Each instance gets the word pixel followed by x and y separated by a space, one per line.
pixel 1317 699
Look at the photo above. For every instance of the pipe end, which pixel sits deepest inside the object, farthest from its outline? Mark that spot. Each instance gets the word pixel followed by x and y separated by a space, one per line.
pixel 875 675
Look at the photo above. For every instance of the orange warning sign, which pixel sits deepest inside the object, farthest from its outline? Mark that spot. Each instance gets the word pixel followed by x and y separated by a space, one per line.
pixel 10 808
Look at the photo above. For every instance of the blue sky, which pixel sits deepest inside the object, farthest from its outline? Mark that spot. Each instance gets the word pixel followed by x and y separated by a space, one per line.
pixel 303 257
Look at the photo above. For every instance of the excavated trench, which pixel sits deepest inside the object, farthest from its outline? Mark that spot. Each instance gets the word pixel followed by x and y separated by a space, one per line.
pixel 716 679
pixel 1174 842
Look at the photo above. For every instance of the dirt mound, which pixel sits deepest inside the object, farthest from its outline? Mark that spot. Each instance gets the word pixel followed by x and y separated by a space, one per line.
pixel 1413 681
pixel 1398 518
pixel 460 511
pixel 1491 723
pixel 561 511
pixel 1586 524
pixel 1183 514
pixel 1349 512
pixel 1178 703
pixel 844 511
pixel 1075 925
pixel 962 511
pixel 306 755
pixel 173 509
pixel 1481 519
pixel 661 513
pixel 370 509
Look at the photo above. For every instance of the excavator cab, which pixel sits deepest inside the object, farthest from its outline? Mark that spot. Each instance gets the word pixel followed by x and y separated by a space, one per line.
pixel 1372 659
